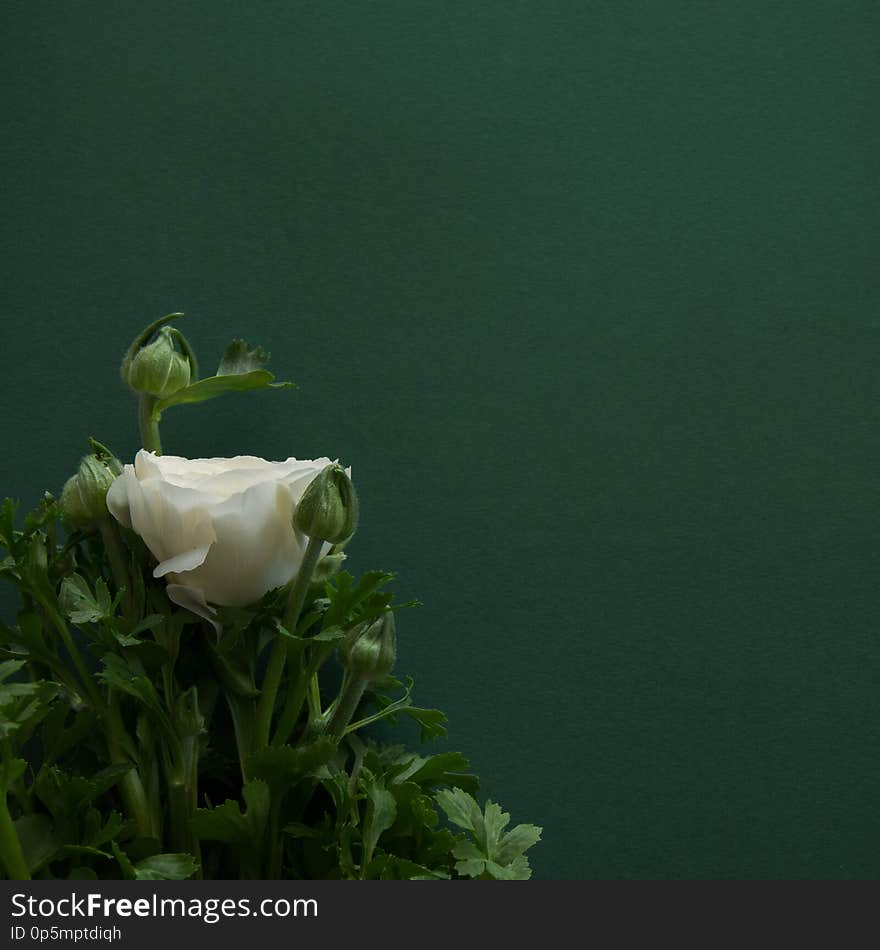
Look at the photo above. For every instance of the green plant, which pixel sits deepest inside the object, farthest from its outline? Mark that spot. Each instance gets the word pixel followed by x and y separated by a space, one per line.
pixel 147 732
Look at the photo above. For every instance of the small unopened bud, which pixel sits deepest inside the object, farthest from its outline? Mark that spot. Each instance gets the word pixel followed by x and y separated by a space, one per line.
pixel 328 509
pixel 370 650
pixel 158 369
pixel 84 496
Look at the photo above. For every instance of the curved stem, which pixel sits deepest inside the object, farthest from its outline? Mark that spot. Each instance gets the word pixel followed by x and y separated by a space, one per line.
pixel 148 425
pixel 278 657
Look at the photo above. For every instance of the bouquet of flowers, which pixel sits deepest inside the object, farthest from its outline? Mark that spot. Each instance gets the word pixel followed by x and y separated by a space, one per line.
pixel 188 687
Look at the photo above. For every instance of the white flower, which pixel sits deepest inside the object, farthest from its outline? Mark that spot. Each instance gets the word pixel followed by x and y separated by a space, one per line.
pixel 221 529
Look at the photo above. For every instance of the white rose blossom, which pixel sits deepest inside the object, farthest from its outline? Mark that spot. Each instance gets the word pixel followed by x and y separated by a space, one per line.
pixel 221 528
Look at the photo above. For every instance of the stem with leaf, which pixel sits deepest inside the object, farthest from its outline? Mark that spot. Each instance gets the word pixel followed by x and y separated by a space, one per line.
pixel 275 668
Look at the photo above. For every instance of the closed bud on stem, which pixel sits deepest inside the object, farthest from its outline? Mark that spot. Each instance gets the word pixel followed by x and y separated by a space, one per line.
pixel 84 496
pixel 328 509
pixel 369 651
pixel 158 369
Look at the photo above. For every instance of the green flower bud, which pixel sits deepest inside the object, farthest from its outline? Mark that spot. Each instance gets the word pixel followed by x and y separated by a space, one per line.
pixel 158 369
pixel 328 508
pixel 369 651
pixel 84 496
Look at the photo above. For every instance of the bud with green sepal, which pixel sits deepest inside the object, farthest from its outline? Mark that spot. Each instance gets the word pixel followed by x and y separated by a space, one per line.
pixel 327 512
pixel 84 496
pixel 369 651
pixel 155 371
pixel 367 655
pixel 328 509
pixel 158 369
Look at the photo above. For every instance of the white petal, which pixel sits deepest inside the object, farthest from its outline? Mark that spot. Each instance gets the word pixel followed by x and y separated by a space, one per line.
pixel 117 496
pixel 170 519
pixel 256 549
pixel 193 600
pixel 186 561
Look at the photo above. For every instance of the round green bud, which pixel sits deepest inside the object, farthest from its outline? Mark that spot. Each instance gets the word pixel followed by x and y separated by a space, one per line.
pixel 158 369
pixel 328 508
pixel 370 650
pixel 84 496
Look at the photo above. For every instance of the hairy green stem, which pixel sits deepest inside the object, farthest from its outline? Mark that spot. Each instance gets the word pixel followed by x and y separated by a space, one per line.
pixel 148 425
pixel 278 657
pixel 346 705
pixel 297 693
pixel 10 846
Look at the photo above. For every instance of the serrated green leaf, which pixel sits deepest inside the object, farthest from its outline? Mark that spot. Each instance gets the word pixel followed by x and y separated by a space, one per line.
pixel 492 852
pixel 78 602
pixel 381 812
pixel 473 867
pixel 445 768
pixel 461 809
pixel 518 870
pixel 516 842
pixel 222 823
pixel 227 823
pixel 239 358
pixel 283 766
pixel 432 722
pixel 166 867
pixel 494 822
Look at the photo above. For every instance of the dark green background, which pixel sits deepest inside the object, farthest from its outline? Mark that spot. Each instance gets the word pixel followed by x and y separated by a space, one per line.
pixel 585 292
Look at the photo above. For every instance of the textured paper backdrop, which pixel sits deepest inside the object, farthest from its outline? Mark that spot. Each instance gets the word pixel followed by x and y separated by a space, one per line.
pixel 586 293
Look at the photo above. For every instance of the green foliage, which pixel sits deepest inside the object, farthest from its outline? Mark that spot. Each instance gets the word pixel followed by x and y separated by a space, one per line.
pixel 493 853
pixel 241 369
pixel 124 718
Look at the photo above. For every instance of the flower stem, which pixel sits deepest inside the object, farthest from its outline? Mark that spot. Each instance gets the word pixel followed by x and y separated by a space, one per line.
pixel 297 692
pixel 346 706
pixel 278 657
pixel 10 846
pixel 117 559
pixel 148 425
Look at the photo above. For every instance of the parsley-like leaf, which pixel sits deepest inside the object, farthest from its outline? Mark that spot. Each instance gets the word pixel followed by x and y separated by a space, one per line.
pixel 492 853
